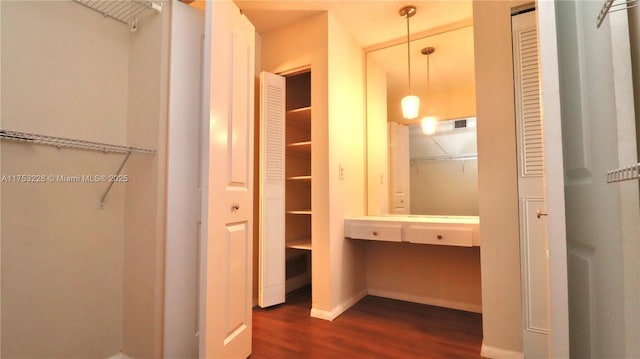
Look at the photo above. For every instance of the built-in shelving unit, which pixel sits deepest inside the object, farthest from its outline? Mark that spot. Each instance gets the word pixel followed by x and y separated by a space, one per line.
pixel 302 243
pixel 299 180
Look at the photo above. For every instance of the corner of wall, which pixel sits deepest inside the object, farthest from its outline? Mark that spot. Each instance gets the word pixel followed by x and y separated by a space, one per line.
pixel 499 353
pixel 497 176
pixel 332 314
pixel 346 170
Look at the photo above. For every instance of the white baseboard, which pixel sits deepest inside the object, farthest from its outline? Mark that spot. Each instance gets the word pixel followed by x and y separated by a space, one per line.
pixel 499 353
pixel 341 308
pixel 119 356
pixel 426 300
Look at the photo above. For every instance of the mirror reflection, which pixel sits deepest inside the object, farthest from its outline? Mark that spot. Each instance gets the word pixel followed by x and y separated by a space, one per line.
pixel 410 171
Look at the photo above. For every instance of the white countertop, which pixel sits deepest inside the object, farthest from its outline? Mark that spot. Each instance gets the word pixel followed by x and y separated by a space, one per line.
pixel 420 219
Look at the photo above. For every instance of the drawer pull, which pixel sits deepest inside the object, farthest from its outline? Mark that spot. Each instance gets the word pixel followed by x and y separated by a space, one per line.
pixel 375 233
pixel 439 236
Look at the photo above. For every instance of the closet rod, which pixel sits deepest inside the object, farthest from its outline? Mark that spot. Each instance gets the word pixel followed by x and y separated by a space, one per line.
pixel 69 142
pixel 624 173
pixel 610 6
pixel 473 156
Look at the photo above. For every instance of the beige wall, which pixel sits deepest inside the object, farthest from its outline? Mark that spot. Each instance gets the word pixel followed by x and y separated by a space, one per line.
pixel 445 276
pixel 79 281
pixel 145 192
pixel 444 187
pixel 300 45
pixel 346 152
pixel 337 114
pixel 445 105
pixel 61 254
pixel 634 33
pixel 498 204
pixel 377 140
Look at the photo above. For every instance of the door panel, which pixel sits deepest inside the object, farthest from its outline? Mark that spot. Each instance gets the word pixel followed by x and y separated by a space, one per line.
pixel 227 245
pixel 237 318
pixel 531 186
pixel 535 271
pixel 399 175
pixel 272 286
pixel 595 83
pixel 554 181
pixel 238 124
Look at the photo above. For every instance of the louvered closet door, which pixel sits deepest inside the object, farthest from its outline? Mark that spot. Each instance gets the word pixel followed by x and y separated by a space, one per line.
pixel 531 191
pixel 271 290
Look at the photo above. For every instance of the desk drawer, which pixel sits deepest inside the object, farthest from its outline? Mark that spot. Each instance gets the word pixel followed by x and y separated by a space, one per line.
pixel 376 232
pixel 440 235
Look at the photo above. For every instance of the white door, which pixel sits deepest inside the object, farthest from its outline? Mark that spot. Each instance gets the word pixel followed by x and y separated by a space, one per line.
pixel 272 289
pixel 587 84
pixel 399 168
pixel 226 290
pixel 183 184
pixel 531 191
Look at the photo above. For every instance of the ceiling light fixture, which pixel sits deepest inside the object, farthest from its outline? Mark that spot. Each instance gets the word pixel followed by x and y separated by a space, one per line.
pixel 410 103
pixel 429 123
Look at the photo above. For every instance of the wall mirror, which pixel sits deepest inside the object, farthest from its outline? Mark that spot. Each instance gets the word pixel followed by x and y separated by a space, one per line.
pixel 410 172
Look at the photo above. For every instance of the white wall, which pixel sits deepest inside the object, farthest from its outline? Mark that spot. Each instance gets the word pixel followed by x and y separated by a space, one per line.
pixel 65 73
pixel 346 164
pixel 183 184
pixel 145 192
pixel 79 281
pixel 497 186
pixel 377 139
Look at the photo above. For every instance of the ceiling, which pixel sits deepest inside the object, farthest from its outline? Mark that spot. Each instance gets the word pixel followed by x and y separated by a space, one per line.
pixel 370 22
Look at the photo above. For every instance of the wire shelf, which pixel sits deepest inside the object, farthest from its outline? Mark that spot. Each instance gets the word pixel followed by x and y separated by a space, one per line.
pixel 126 11
pixel 610 6
pixel 69 142
pixel 624 174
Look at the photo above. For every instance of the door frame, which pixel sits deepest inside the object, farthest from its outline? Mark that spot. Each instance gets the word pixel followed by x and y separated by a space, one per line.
pixel 554 181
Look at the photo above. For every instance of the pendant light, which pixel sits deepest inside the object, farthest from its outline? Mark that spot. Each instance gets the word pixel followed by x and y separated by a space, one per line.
pixel 429 123
pixel 410 103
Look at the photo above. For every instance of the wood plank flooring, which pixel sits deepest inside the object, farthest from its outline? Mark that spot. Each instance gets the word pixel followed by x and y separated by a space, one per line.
pixel 373 328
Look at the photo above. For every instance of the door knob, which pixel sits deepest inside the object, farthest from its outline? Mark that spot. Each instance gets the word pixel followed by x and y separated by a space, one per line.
pixel 539 213
pixel 235 207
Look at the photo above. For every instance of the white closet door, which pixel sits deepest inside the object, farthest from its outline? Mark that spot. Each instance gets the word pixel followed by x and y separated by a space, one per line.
pixel 226 283
pixel 271 290
pixel 399 165
pixel 531 186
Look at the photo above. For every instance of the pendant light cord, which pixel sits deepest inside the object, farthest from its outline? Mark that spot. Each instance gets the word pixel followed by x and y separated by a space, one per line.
pixel 428 77
pixel 408 56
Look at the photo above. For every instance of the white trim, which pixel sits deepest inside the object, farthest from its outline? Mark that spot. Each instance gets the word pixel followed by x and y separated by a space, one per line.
pixel 120 356
pixel 499 353
pixel 468 307
pixel 330 315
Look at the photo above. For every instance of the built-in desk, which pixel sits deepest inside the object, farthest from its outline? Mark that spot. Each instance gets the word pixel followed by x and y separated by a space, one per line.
pixel 440 230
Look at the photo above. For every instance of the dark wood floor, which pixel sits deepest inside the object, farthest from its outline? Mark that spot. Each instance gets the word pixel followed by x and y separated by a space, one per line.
pixel 373 328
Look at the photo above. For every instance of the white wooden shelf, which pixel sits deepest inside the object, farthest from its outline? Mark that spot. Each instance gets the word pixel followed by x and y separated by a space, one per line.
pixel 299 178
pixel 303 147
pixel 300 117
pixel 302 243
pixel 303 212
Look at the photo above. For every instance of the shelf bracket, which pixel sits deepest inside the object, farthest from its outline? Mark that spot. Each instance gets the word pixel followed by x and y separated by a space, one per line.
pixel 112 180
